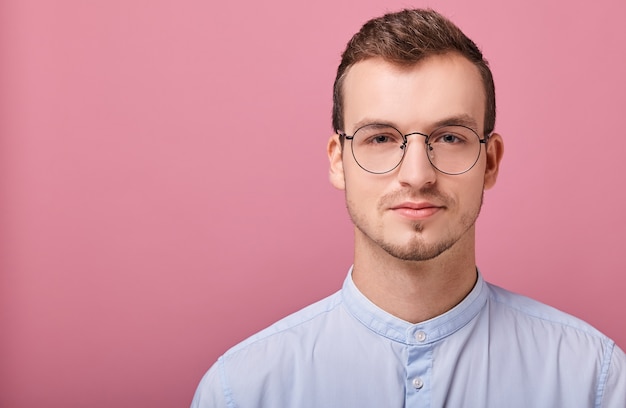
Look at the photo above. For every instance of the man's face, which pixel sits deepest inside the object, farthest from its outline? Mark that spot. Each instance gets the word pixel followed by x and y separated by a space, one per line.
pixel 414 212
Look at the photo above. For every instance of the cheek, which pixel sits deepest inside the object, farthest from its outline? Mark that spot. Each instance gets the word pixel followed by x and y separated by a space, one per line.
pixel 470 192
pixel 464 189
pixel 363 190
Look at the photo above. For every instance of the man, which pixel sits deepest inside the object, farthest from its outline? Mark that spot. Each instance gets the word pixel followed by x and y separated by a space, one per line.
pixel 415 325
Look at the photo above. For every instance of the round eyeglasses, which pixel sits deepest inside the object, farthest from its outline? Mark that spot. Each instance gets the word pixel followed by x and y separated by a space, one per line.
pixel 379 148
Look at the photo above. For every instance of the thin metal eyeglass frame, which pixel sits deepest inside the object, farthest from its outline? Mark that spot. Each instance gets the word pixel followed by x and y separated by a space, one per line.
pixel 404 144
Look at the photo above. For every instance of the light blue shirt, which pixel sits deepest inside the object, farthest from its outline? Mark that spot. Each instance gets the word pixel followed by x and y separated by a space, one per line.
pixel 494 349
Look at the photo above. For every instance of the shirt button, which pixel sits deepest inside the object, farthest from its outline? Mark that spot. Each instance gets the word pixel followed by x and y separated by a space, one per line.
pixel 418 383
pixel 420 336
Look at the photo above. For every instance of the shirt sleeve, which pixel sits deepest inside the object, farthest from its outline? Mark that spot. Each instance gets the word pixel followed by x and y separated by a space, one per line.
pixel 210 393
pixel 614 395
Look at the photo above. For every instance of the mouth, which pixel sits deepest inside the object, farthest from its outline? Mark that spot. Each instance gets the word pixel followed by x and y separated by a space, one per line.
pixel 416 211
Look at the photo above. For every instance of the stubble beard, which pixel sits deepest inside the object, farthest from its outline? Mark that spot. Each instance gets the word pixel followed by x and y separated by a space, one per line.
pixel 416 249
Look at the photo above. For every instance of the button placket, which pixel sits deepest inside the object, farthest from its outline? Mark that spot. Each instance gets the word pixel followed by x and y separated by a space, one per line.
pixel 418 371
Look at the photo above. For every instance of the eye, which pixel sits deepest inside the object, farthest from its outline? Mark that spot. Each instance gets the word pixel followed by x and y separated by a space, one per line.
pixel 379 139
pixel 448 136
pixel 382 138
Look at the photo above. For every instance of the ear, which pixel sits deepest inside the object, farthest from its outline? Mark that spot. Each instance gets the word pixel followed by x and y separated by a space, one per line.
pixel 336 162
pixel 495 151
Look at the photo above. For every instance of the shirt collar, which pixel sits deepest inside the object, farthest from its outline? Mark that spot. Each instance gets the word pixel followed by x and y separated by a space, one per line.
pixel 402 331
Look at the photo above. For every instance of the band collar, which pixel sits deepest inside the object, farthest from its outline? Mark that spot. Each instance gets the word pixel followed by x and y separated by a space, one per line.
pixel 399 330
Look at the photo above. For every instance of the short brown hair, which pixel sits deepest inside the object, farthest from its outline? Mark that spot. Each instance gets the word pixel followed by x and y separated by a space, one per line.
pixel 405 38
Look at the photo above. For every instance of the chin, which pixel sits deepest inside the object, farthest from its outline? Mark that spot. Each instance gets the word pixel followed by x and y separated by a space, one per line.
pixel 417 251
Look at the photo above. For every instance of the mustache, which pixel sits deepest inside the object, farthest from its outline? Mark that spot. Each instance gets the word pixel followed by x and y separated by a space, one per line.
pixel 427 193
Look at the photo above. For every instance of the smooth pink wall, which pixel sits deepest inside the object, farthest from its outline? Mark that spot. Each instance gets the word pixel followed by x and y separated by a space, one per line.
pixel 164 190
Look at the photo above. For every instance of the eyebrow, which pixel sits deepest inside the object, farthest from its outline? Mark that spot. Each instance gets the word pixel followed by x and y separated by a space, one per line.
pixel 462 119
pixel 369 121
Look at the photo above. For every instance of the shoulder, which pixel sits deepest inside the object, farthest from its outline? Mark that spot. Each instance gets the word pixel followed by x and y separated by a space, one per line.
pixel 535 328
pixel 294 324
pixel 537 313
pixel 564 343
pixel 270 356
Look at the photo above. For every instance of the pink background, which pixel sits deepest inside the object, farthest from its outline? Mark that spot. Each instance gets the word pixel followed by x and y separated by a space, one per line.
pixel 164 188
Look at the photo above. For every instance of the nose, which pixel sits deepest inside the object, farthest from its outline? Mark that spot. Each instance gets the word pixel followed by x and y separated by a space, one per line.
pixel 415 169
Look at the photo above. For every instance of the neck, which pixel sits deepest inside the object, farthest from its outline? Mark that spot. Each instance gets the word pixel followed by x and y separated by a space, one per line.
pixel 415 291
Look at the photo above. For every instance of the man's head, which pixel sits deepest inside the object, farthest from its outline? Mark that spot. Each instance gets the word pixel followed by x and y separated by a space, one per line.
pixel 413 73
pixel 404 38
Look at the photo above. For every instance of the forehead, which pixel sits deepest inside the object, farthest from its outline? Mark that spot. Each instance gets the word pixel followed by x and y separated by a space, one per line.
pixel 415 97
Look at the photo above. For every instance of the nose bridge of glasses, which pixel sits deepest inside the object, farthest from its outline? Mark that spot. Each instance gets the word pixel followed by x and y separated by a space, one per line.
pixel 416 150
pixel 406 138
pixel 415 166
